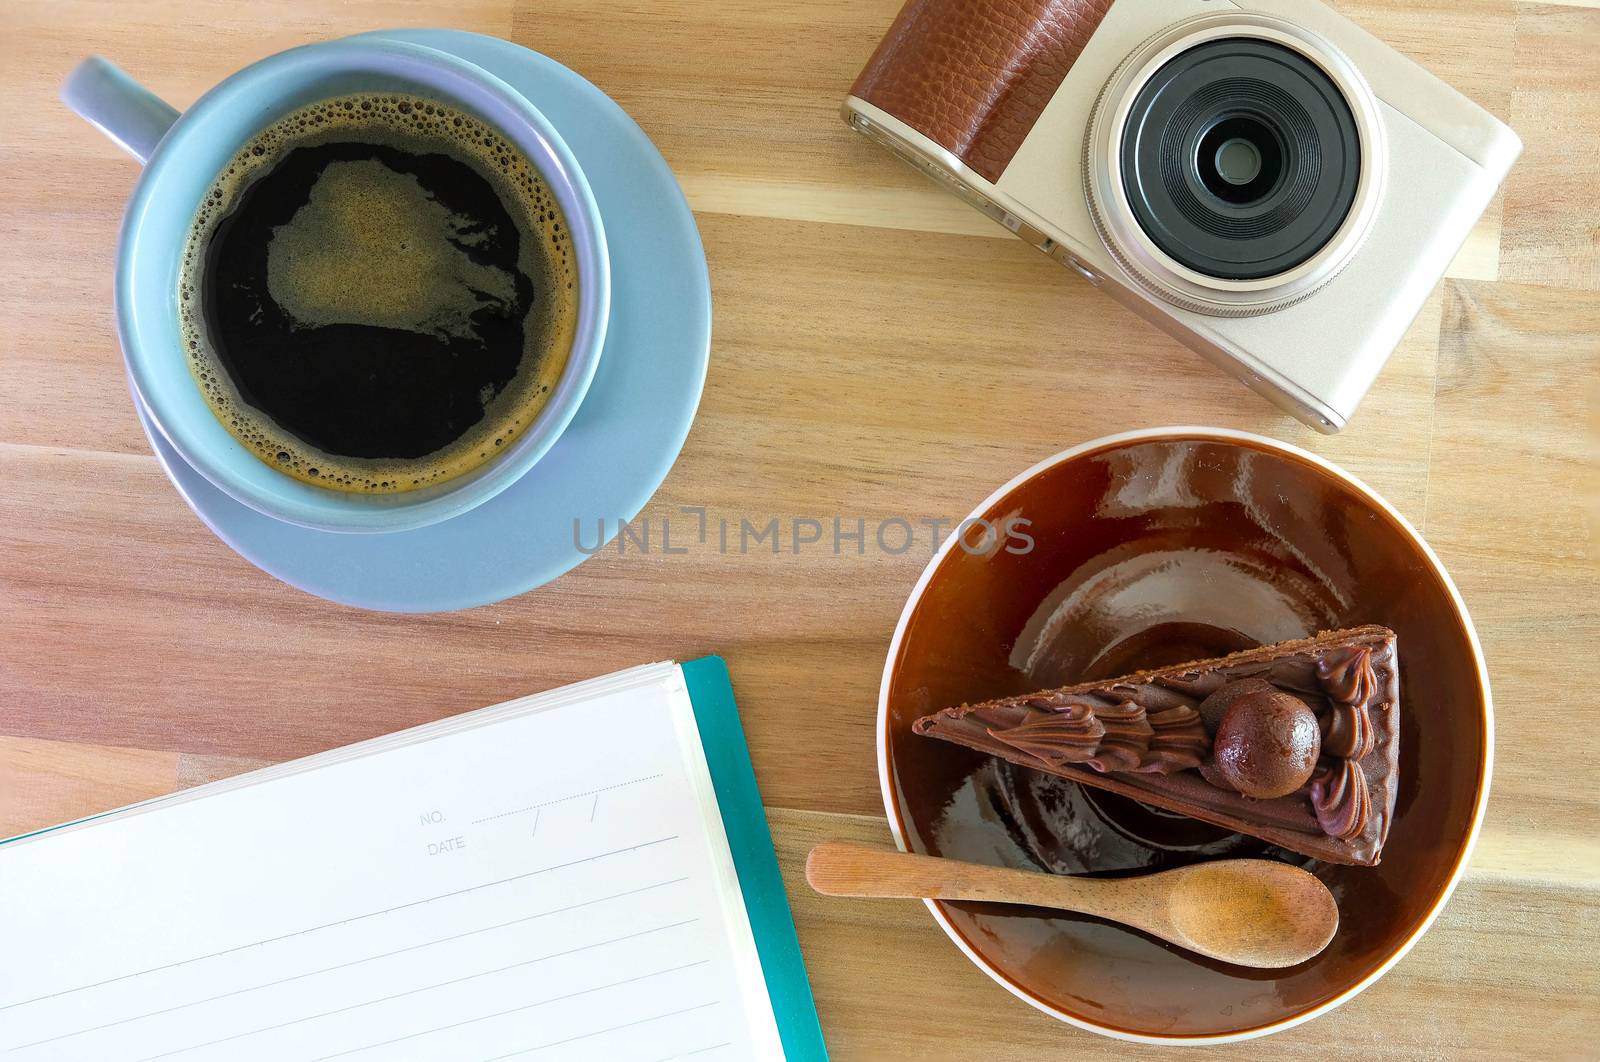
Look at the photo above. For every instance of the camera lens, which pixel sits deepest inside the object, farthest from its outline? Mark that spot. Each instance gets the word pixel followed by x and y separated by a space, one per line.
pixel 1238 161
pixel 1240 158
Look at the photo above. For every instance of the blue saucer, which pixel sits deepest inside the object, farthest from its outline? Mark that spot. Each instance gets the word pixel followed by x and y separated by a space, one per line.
pixel 619 446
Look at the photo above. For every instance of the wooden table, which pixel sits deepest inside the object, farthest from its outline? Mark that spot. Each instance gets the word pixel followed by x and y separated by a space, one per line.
pixel 869 335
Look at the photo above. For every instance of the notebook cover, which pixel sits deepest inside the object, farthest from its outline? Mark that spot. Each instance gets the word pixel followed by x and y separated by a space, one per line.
pixel 754 860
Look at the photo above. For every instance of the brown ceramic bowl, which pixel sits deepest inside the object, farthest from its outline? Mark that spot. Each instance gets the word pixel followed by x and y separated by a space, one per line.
pixel 1153 548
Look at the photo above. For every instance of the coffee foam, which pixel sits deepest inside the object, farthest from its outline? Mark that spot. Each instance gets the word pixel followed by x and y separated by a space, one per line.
pixel 328 267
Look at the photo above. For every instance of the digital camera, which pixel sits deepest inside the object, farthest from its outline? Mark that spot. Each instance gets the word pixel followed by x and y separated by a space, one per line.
pixel 1263 179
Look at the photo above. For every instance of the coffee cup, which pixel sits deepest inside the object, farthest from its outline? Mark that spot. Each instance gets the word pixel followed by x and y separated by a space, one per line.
pixel 187 155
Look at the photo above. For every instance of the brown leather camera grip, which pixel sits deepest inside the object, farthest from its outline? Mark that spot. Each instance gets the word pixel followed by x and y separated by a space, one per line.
pixel 974 75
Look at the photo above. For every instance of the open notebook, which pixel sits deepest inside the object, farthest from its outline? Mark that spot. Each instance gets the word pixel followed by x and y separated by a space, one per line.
pixel 582 874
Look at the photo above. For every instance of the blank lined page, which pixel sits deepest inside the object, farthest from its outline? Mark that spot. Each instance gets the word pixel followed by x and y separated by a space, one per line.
pixel 548 880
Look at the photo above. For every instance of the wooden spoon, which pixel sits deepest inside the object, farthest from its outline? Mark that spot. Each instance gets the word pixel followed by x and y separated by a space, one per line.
pixel 1250 912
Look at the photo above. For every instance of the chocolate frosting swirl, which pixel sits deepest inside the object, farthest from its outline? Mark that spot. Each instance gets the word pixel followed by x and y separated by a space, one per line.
pixel 1056 735
pixel 1346 675
pixel 1341 799
pixel 1179 742
pixel 1349 681
pixel 1127 737
pixel 1119 737
pixel 1347 732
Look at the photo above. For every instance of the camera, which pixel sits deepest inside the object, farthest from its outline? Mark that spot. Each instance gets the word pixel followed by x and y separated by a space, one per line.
pixel 1262 179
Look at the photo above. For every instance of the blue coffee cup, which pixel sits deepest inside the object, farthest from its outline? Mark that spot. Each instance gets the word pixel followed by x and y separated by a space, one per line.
pixel 183 154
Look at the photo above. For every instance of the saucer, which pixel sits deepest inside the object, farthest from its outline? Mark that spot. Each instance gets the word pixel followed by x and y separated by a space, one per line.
pixel 618 447
pixel 1150 549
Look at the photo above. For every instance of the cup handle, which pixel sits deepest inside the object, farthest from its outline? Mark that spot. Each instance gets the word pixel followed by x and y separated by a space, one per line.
pixel 117 105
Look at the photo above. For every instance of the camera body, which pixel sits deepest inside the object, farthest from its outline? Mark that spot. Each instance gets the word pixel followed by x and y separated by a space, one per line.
pixel 1262 179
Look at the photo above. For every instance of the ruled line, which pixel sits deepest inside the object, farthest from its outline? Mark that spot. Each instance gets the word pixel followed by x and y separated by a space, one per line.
pixel 347 965
pixel 602 1032
pixel 690 1054
pixel 341 922
pixel 513 1010
pixel 415 991
pixel 563 800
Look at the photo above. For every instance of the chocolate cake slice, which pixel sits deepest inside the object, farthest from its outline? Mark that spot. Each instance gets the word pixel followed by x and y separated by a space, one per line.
pixel 1296 743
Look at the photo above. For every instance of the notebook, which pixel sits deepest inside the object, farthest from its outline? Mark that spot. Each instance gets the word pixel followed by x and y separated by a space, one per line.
pixel 582 874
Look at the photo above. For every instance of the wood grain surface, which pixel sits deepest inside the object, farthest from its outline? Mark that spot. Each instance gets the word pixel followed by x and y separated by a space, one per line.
pixel 870 335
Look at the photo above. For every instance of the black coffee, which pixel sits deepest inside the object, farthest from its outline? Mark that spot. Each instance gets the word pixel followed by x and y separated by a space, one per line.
pixel 378 294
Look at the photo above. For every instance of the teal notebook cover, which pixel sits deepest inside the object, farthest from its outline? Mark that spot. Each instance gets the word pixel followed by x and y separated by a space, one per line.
pixel 734 780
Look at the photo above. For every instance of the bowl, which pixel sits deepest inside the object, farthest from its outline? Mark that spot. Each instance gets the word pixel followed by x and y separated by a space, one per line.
pixel 1145 549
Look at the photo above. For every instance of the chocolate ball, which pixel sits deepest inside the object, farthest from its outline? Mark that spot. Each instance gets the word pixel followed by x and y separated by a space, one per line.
pixel 1267 742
